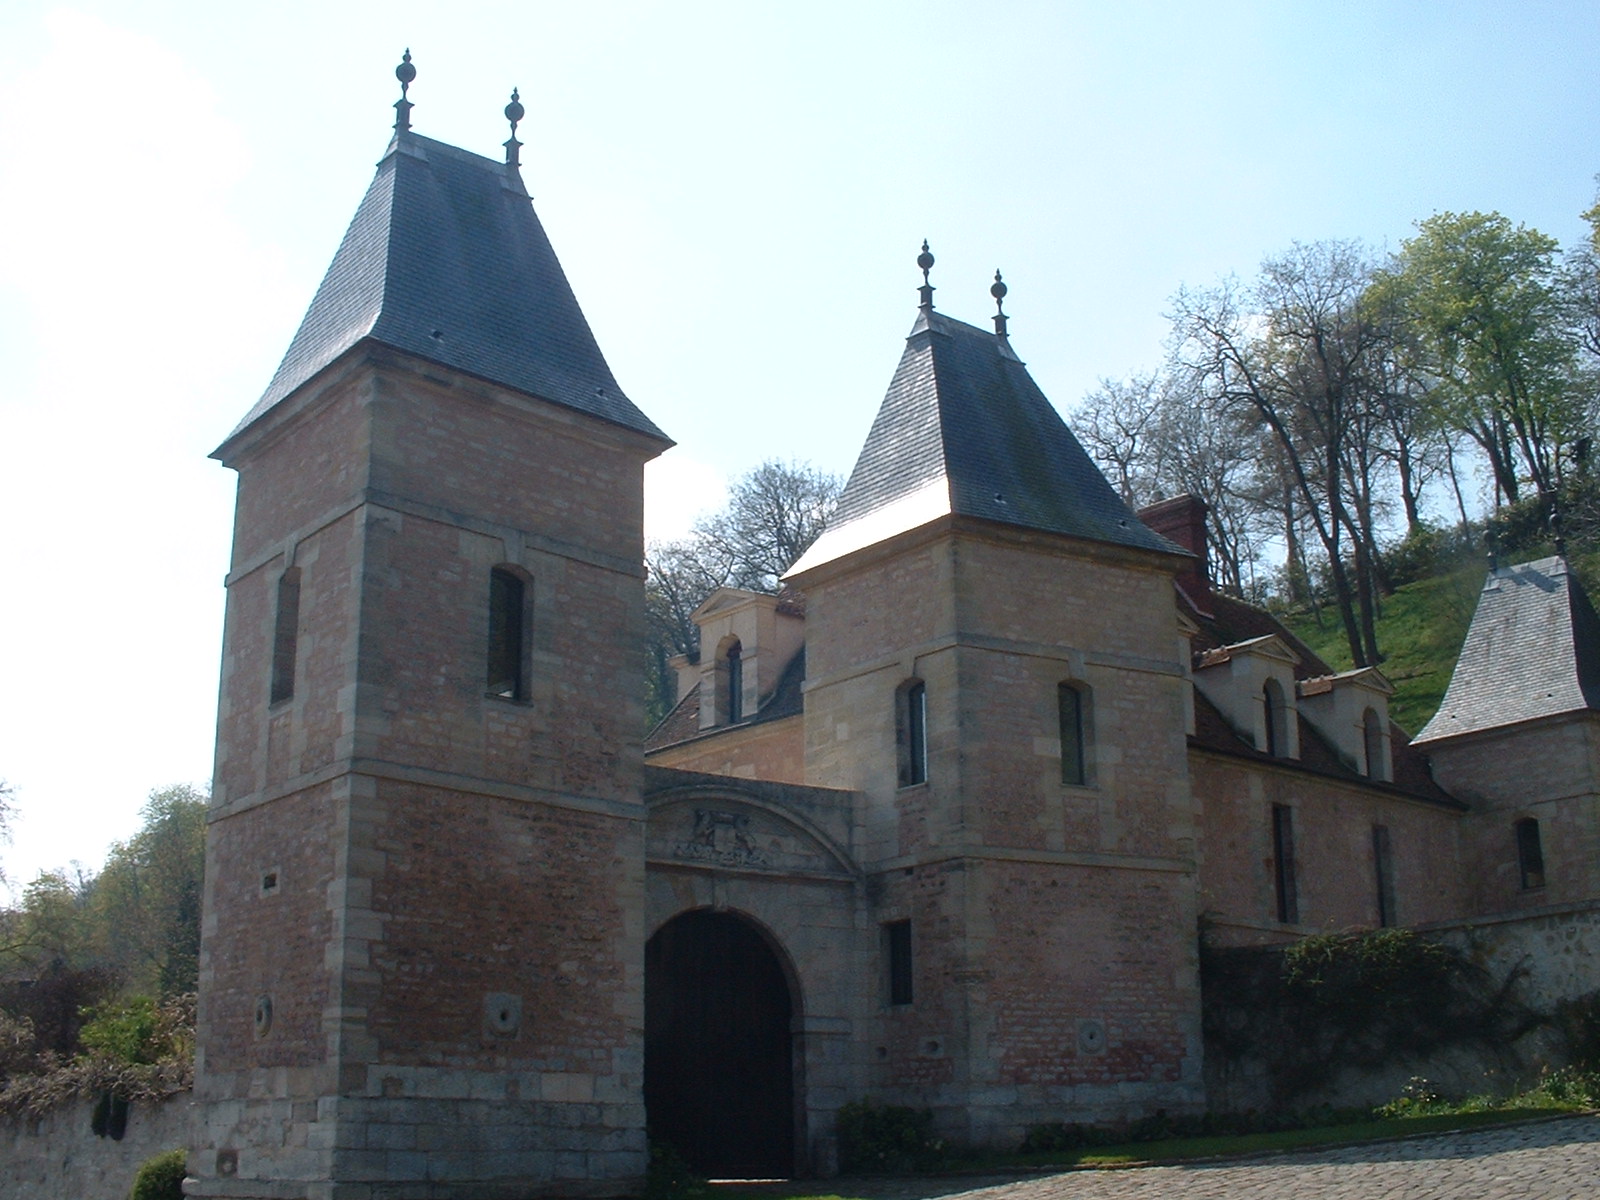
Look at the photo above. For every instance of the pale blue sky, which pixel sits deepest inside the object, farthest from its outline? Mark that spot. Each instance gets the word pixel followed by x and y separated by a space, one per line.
pixel 737 190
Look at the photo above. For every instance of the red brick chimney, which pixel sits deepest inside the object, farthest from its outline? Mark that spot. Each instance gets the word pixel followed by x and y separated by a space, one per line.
pixel 1183 520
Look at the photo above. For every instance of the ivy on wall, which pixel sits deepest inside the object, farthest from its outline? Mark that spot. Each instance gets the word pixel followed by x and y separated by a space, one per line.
pixel 1364 999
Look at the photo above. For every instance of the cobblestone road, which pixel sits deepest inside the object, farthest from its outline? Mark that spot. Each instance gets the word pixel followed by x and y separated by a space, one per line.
pixel 1544 1160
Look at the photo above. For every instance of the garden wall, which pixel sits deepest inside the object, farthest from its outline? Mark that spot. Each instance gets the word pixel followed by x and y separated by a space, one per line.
pixel 58 1157
pixel 1555 951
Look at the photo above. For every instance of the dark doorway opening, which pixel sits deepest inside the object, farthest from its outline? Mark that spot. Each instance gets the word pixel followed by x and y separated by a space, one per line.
pixel 718 1053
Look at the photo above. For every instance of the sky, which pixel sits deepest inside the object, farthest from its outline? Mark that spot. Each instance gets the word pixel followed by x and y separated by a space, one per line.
pixel 737 190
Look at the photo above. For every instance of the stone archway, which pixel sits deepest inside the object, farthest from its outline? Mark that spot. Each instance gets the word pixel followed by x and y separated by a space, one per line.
pixel 718 1051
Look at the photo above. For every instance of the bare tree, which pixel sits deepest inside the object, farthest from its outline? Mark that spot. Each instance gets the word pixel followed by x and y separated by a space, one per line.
pixel 1295 355
pixel 773 514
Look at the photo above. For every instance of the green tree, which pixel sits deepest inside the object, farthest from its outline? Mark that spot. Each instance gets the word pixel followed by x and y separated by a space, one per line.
pixel 146 900
pixel 1484 298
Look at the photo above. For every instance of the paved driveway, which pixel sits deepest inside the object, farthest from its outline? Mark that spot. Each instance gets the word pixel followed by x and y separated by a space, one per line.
pixel 1543 1160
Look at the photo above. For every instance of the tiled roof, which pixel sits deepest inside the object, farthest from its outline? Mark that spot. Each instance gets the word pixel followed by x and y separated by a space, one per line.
pixel 1532 650
pixel 446 260
pixel 965 431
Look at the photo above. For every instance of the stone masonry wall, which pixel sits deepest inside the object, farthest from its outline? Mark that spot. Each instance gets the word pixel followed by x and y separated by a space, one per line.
pixel 58 1157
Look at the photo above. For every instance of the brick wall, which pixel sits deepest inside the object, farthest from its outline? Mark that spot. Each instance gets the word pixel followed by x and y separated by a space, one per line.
pixel 1334 866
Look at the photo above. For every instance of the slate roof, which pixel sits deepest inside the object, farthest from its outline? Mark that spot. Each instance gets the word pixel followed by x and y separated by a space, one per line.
pixel 1317 757
pixel 1225 620
pixel 682 724
pixel 965 431
pixel 1532 650
pixel 446 260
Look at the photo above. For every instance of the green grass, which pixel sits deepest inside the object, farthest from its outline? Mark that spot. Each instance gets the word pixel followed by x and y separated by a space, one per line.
pixel 1473 1113
pixel 1420 631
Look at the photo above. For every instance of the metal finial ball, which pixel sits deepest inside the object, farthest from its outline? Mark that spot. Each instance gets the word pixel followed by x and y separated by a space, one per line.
pixel 925 260
pixel 998 290
pixel 405 72
pixel 514 111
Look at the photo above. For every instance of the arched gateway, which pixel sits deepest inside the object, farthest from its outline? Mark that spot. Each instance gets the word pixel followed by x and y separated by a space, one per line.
pixel 719 1076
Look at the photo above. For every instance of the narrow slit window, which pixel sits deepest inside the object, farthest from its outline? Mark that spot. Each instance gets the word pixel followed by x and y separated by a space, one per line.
pixel 735 663
pixel 897 949
pixel 507 635
pixel 911 727
pixel 1070 703
pixel 1530 854
pixel 1383 874
pixel 1276 719
pixel 1283 864
pixel 286 635
pixel 1372 737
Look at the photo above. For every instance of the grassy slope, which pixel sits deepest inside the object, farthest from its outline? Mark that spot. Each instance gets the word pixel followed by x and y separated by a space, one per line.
pixel 1419 632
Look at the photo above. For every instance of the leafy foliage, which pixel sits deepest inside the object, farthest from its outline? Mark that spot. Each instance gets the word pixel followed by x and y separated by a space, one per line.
pixel 887 1138
pixel 160 1177
pixel 139 1051
pixel 1358 999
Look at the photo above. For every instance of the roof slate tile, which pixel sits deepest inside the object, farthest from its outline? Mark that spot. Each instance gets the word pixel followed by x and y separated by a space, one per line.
pixel 447 260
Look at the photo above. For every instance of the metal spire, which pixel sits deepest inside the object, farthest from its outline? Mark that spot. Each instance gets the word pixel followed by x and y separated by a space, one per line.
pixel 925 261
pixel 1555 529
pixel 514 113
pixel 998 291
pixel 405 73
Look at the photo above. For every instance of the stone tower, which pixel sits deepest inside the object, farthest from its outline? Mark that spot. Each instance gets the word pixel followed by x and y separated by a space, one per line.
pixel 994 665
pixel 423 945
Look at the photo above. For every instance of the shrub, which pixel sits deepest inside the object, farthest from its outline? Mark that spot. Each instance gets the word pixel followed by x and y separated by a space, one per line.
pixel 887 1138
pixel 1352 1000
pixel 160 1178
pixel 668 1177
pixel 123 1031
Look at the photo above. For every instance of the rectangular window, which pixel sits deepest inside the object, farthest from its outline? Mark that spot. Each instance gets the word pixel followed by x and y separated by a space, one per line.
pixel 1069 701
pixel 507 604
pixel 286 635
pixel 1283 863
pixel 911 726
pixel 1383 871
pixel 897 949
pixel 1530 854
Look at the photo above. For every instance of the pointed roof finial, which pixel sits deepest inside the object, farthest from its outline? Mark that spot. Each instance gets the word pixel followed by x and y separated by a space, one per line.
pixel 514 113
pixel 1555 529
pixel 1491 542
pixel 405 73
pixel 925 261
pixel 998 291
